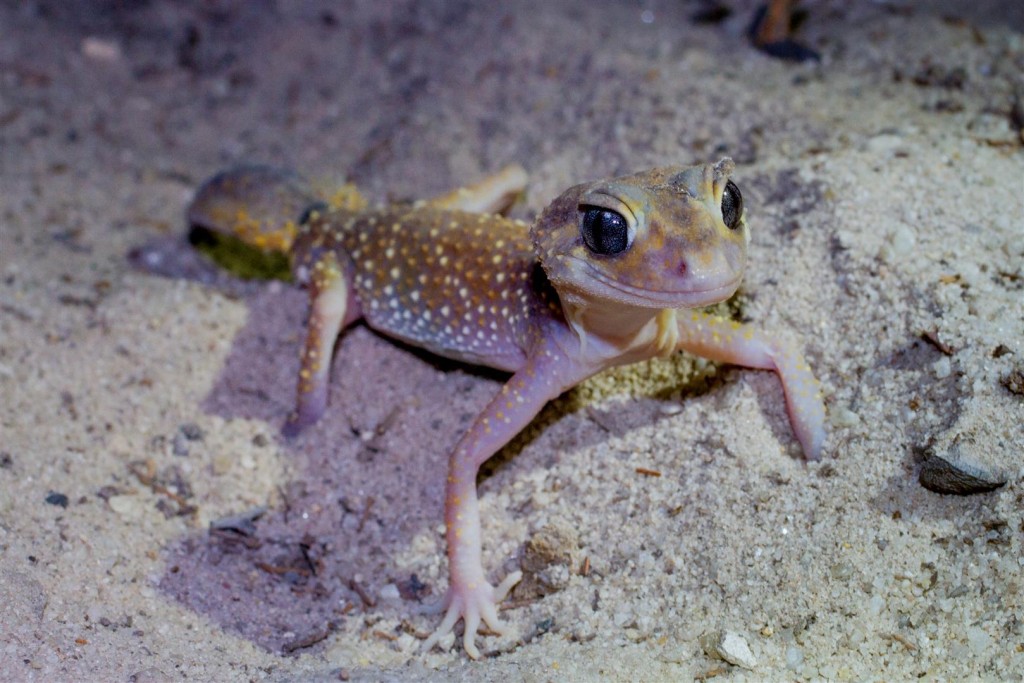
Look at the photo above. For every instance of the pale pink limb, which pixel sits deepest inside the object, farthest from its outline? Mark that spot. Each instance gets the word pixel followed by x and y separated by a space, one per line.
pixel 470 596
pixel 727 341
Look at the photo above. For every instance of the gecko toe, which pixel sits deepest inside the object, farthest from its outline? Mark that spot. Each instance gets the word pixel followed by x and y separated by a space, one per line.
pixel 443 629
pixel 472 618
pixel 505 586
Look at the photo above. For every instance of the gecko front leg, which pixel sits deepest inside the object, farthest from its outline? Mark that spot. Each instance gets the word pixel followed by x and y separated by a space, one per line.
pixel 546 374
pixel 728 341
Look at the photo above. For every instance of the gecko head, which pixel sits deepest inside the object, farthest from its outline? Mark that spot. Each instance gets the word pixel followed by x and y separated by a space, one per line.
pixel 671 237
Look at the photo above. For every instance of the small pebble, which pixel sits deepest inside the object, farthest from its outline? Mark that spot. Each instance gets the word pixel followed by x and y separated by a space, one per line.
pixel 794 658
pixel 942 368
pixel 876 604
pixel 1013 381
pixel 54 498
pixel 150 675
pixel 886 143
pixel 127 506
pixel 734 649
pixel 101 50
pixel 978 639
pixel 841 416
pixel 547 559
pixel 902 239
pixel 729 647
pixel 670 409
pixel 192 431
pixel 964 460
pixel 959 477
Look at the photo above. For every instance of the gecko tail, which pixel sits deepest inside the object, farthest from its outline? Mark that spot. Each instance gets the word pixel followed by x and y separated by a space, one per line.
pixel 260 205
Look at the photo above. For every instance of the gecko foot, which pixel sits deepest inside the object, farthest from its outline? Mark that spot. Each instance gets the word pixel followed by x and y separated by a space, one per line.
pixel 473 604
pixel 295 424
pixel 307 414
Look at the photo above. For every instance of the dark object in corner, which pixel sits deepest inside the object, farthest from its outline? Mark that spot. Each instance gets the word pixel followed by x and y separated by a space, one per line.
pixel 772 28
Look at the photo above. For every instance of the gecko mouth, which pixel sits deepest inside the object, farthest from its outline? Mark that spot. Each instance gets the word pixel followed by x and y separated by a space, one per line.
pixel 657 298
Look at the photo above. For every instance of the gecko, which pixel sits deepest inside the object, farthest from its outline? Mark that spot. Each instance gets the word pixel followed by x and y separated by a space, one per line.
pixel 611 272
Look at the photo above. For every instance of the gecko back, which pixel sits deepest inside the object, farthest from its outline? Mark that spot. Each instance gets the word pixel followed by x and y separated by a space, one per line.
pixel 461 284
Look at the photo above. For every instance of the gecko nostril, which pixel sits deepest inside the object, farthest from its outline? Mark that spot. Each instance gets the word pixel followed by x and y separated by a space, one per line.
pixel 683 267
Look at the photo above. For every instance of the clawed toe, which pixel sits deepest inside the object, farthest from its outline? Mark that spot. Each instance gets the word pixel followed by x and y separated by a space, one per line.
pixel 476 606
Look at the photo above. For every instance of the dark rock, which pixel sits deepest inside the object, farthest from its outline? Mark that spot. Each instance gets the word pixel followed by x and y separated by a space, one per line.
pixel 54 498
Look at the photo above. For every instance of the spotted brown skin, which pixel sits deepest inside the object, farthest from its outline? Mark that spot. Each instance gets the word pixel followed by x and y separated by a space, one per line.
pixel 610 273
pixel 462 285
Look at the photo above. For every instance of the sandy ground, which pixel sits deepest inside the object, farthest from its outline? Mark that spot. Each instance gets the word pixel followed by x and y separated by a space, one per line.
pixel 885 190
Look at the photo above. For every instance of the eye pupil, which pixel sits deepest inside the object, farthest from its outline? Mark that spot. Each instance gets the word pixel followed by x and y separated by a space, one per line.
pixel 732 205
pixel 604 231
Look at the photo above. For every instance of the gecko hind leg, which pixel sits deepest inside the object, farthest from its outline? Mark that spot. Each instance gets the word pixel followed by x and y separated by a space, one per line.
pixel 332 308
pixel 494 194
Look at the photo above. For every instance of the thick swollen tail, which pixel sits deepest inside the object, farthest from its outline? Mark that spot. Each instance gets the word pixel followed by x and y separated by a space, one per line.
pixel 260 205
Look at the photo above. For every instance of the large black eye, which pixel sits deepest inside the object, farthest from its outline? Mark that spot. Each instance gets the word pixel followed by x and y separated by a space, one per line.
pixel 732 205
pixel 605 231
